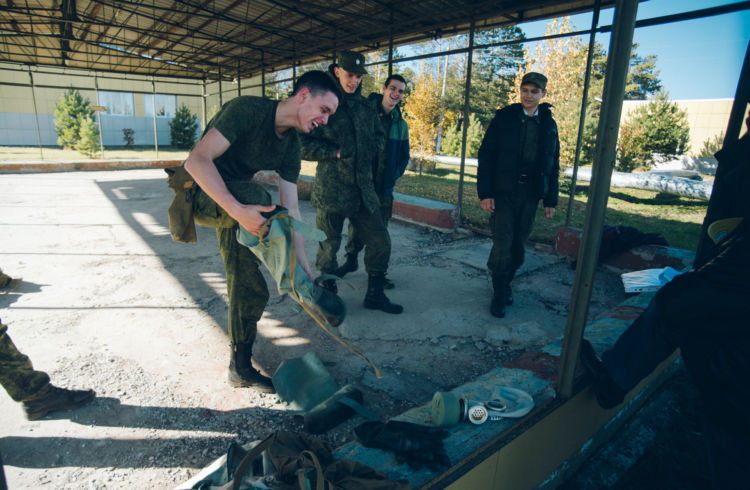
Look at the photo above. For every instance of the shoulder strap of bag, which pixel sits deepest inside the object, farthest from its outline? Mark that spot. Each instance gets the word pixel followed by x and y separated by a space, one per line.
pixel 247 461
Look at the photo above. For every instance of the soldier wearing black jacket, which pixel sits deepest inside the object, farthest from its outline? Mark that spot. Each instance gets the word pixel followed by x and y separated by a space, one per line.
pixel 519 164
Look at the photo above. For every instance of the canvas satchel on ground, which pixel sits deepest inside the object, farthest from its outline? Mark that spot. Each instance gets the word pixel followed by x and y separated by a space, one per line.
pixel 294 461
pixel 181 222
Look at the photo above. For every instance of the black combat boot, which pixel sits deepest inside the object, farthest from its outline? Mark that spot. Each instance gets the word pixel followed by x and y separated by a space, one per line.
pixel 388 284
pixel 242 374
pixel 375 299
pixel 349 266
pixel 54 398
pixel 608 392
pixel 328 284
pixel 499 299
pixel 508 295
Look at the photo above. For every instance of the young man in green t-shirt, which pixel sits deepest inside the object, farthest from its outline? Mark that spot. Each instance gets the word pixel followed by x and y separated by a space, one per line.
pixel 250 134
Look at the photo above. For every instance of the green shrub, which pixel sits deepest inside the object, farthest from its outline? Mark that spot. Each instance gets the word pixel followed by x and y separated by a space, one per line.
pixel 70 112
pixel 711 146
pixel 474 135
pixel 655 131
pixel 88 143
pixel 422 164
pixel 128 135
pixel 182 128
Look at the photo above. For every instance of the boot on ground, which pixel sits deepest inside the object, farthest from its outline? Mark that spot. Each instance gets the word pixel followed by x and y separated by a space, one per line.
pixel 242 374
pixel 499 297
pixel 53 399
pixel 350 265
pixel 497 306
pixel 375 299
pixel 328 284
pixel 608 393
pixel 388 284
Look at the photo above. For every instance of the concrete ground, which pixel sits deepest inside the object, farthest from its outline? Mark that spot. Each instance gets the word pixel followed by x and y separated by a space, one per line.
pixel 108 301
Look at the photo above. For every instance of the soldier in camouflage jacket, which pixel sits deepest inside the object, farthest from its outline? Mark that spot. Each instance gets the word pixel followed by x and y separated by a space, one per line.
pixel 347 151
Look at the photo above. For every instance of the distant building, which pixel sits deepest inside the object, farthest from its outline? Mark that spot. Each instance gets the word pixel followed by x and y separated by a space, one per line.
pixel 134 102
pixel 706 117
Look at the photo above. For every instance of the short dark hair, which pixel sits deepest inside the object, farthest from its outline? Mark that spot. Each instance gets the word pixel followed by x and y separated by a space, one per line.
pixel 398 78
pixel 318 83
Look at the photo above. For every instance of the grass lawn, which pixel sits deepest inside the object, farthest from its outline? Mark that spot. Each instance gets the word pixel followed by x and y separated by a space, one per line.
pixel 30 153
pixel 676 218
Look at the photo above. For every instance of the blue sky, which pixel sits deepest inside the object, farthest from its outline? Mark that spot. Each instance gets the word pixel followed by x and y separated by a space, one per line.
pixel 697 59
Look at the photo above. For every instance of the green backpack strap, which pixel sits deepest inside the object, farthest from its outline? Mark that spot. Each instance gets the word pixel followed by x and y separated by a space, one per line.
pixel 359 408
pixel 247 461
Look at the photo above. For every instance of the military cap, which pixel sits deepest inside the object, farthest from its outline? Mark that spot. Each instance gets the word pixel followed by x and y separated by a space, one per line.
pixel 536 78
pixel 352 62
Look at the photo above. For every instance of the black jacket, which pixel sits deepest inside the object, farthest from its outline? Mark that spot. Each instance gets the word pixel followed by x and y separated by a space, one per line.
pixel 499 155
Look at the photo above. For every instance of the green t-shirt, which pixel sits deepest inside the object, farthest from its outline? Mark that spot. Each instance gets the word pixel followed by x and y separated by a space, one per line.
pixel 248 123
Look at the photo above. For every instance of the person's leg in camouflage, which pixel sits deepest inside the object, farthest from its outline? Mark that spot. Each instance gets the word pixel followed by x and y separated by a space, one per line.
pixel 354 244
pixel 331 224
pixel 32 388
pixel 371 228
pixel 246 288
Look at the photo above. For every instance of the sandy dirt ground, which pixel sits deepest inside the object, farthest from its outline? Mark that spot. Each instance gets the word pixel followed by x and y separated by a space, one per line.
pixel 108 301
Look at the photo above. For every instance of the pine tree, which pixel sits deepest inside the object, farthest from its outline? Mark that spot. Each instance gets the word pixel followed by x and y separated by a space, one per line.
pixel 88 143
pixel 474 134
pixel 182 128
pixel 70 111
pixel 653 132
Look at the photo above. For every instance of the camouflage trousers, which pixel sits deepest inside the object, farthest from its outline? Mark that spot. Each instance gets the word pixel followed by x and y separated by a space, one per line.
pixel 511 225
pixel 246 287
pixel 17 375
pixel 354 244
pixel 368 226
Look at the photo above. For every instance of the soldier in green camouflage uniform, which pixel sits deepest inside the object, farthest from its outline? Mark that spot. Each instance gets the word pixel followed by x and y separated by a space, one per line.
pixel 31 387
pixel 391 165
pixel 346 150
pixel 250 134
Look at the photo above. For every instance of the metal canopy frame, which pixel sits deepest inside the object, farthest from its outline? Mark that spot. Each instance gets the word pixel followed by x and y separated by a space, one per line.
pixel 228 39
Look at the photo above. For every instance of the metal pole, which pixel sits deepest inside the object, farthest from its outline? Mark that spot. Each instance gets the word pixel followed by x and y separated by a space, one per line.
pixel 584 101
pixel 618 61
pixel 98 113
pixel 153 109
pixel 204 96
pixel 390 46
pixel 221 96
pixel 467 106
pixel 442 109
pixel 36 114
pixel 239 80
pixel 294 64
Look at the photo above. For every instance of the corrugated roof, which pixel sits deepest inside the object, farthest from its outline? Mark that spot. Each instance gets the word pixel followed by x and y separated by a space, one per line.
pixel 200 39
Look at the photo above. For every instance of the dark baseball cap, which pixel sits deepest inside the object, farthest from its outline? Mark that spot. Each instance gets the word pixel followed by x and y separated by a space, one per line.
pixel 352 62
pixel 536 78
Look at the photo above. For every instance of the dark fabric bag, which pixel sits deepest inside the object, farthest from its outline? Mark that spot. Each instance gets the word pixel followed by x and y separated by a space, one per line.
pixel 181 222
pixel 294 461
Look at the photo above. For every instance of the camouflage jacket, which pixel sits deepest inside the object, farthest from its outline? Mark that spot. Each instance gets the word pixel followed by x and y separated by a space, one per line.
pixel 343 184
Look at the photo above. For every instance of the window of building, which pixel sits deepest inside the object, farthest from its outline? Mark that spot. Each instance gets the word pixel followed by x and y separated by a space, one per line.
pixel 117 103
pixel 165 105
